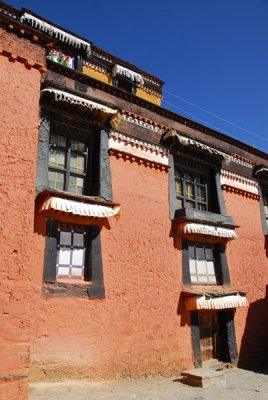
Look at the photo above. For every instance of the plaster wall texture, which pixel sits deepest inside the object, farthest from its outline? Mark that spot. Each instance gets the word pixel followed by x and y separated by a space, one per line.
pixel 248 265
pixel 19 118
pixel 136 329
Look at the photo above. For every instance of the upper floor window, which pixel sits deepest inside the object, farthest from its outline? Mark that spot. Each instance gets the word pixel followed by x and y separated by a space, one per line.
pixel 191 190
pixel 125 84
pixel 67 164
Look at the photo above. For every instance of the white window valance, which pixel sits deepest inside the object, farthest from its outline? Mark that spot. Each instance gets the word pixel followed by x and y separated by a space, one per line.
pixel 61 96
pixel 209 230
pixel 127 73
pixel 57 33
pixel 79 208
pixel 205 302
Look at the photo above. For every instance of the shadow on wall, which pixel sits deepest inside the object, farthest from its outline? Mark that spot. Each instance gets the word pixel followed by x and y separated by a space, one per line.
pixel 254 347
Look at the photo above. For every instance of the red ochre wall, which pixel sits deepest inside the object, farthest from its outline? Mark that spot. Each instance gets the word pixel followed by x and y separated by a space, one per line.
pixel 248 267
pixel 136 329
pixel 19 118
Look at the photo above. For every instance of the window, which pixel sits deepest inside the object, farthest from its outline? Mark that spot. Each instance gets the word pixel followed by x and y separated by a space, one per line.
pixel 202 264
pixel 191 190
pixel 73 252
pixel 71 249
pixel 265 207
pixel 67 164
pixel 125 84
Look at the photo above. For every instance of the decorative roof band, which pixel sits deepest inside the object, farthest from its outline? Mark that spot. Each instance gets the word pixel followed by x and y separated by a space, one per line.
pixel 61 96
pixel 57 33
pixel 128 74
pixel 138 148
pixel 140 122
pixel 239 182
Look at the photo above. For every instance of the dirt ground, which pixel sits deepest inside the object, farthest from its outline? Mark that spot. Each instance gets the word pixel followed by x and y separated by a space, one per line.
pixel 240 385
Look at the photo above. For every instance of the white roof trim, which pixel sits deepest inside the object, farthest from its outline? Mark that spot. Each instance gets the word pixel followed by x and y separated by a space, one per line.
pixel 65 97
pixel 59 34
pixel 239 182
pixel 215 303
pixel 79 208
pixel 209 230
pixel 138 148
pixel 127 73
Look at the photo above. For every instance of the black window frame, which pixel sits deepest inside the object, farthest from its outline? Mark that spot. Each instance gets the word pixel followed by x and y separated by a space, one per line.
pixel 220 263
pixel 98 181
pixel 263 203
pixel 208 251
pixel 185 178
pixel 93 272
pixel 67 170
pixel 124 84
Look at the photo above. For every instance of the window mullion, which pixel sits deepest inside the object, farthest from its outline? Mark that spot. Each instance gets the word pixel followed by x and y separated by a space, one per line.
pixel 68 163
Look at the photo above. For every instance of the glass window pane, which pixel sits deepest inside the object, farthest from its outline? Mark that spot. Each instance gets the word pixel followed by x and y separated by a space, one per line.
pixel 190 204
pixel 201 267
pixel 192 267
pixel 64 256
pixel 212 279
pixel 65 238
pixel 76 184
pixel 193 278
pixel 57 140
pixel 78 162
pixel 191 252
pixel 57 158
pixel 200 253
pixel 201 194
pixel 201 207
pixel 56 180
pixel 63 272
pixel 179 203
pixel 77 273
pixel 78 239
pixel 78 146
pixel 203 279
pixel 209 253
pixel 78 257
pixel 210 268
pixel 189 190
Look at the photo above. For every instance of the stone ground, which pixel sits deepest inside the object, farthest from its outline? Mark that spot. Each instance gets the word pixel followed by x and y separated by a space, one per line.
pixel 240 385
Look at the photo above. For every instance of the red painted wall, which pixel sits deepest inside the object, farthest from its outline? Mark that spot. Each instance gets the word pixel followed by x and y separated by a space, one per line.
pixel 248 267
pixel 19 118
pixel 135 330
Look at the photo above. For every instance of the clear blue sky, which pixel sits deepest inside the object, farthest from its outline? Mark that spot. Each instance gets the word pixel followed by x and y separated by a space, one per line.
pixel 212 53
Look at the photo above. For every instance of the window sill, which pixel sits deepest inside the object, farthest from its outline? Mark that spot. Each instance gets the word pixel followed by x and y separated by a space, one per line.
pixel 188 214
pixel 80 289
pixel 77 197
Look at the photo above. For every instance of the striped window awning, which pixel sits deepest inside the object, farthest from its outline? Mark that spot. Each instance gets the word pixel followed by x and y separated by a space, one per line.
pixel 209 230
pixel 214 302
pixel 78 208
pixel 71 99
pixel 128 74
pixel 213 233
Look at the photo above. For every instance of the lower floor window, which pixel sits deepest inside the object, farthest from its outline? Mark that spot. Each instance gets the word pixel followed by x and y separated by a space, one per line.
pixel 202 264
pixel 74 251
pixel 71 249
